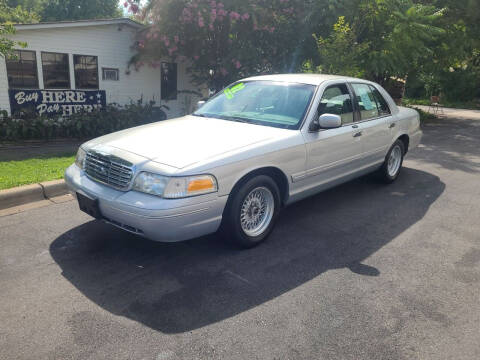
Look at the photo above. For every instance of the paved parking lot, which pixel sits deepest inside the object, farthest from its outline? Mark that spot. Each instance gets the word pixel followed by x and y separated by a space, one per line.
pixel 363 271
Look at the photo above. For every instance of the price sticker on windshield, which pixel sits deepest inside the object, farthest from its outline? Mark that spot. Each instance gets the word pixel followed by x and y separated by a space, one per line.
pixel 229 92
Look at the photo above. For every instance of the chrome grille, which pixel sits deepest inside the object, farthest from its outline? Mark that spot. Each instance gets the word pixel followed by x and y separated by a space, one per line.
pixel 108 170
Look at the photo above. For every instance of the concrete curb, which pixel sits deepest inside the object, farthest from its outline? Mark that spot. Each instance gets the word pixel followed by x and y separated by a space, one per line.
pixel 31 193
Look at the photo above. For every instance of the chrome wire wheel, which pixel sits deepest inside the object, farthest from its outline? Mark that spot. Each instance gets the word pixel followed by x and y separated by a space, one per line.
pixel 256 211
pixel 394 161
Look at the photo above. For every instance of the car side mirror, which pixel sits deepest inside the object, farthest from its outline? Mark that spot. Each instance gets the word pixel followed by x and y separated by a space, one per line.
pixel 329 121
pixel 200 104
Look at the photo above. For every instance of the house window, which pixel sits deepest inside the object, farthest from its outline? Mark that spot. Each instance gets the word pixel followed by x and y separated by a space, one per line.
pixel 110 74
pixel 86 71
pixel 56 74
pixel 22 70
pixel 169 81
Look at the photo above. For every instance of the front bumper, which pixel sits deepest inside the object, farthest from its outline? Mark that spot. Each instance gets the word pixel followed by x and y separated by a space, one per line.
pixel 150 216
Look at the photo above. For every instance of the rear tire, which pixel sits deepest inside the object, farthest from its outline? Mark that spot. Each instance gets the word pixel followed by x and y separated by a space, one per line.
pixel 252 212
pixel 393 163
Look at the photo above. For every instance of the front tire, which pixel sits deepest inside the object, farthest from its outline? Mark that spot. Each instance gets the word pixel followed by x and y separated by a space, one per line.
pixel 252 211
pixel 393 162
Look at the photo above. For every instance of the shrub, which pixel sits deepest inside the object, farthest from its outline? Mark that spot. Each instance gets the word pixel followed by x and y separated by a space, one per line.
pixel 84 125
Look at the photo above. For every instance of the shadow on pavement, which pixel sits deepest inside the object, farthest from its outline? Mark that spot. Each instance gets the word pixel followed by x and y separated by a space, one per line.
pixel 452 144
pixel 179 287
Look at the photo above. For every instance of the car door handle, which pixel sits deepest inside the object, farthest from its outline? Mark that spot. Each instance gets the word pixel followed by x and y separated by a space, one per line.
pixel 392 125
pixel 357 134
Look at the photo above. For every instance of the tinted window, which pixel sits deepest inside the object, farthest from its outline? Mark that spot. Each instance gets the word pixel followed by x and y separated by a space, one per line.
pixel 382 105
pixel 169 81
pixel 366 102
pixel 277 104
pixel 86 71
pixel 22 70
pixel 336 100
pixel 56 73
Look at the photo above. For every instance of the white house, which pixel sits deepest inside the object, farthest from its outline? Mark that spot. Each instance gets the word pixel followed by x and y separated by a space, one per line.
pixel 80 65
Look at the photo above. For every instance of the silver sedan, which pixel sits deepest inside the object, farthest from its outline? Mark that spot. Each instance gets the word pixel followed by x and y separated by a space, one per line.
pixel 259 145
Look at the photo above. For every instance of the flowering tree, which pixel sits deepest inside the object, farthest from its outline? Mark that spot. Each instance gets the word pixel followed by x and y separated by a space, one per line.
pixel 221 41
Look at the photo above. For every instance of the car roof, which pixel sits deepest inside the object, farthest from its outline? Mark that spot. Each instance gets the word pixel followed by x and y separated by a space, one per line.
pixel 311 79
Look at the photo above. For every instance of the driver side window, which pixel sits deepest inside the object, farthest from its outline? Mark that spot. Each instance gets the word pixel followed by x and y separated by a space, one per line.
pixel 336 100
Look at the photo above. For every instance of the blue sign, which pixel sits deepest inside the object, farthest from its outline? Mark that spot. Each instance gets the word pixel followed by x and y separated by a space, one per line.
pixel 57 102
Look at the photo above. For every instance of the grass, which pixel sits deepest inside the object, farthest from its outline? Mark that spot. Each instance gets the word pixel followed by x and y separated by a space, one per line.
pixel 469 105
pixel 30 171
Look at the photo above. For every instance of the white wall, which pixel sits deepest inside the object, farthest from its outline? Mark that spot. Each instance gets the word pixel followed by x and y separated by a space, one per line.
pixel 113 48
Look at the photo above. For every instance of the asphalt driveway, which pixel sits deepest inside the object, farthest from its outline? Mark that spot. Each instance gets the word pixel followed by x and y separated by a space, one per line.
pixel 363 271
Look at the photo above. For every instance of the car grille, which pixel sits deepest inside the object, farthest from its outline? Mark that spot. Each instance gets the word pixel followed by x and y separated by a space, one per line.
pixel 108 170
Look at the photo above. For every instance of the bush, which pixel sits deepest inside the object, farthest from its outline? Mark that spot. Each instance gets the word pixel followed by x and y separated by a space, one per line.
pixel 84 125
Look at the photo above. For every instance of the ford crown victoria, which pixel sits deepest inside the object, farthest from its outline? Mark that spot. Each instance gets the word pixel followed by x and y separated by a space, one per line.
pixel 260 144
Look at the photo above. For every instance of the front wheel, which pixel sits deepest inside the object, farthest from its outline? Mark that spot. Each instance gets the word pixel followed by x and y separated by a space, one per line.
pixel 393 162
pixel 250 215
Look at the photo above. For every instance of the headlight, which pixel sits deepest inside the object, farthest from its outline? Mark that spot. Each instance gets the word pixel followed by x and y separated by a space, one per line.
pixel 80 158
pixel 174 187
pixel 150 183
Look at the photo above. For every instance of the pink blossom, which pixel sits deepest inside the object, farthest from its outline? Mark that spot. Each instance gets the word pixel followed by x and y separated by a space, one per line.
pixel 134 8
pixel 238 65
pixel 196 57
pixel 234 15
pixel 200 22
pixel 167 42
pixel 220 5
pixel 211 27
pixel 222 12
pixel 213 4
pixel 245 16
pixel 176 38
pixel 125 4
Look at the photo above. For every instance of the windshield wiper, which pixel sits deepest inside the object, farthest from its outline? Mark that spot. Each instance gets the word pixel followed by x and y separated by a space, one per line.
pixel 234 118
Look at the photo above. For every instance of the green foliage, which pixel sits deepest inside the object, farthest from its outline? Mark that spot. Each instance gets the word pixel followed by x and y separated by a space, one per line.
pixel 60 10
pixel 382 39
pixel 81 125
pixel 8 17
pixel 339 52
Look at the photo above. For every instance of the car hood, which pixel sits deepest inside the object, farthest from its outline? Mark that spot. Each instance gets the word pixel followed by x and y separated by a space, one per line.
pixel 185 141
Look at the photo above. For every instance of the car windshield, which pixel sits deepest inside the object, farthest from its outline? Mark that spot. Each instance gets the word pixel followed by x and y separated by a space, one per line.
pixel 278 104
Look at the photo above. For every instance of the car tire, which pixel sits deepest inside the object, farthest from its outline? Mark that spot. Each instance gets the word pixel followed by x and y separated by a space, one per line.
pixel 392 165
pixel 251 212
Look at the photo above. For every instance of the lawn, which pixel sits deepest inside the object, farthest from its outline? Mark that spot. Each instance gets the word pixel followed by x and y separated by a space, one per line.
pixel 30 171
pixel 470 105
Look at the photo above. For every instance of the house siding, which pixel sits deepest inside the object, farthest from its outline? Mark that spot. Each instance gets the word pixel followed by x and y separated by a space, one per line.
pixel 112 44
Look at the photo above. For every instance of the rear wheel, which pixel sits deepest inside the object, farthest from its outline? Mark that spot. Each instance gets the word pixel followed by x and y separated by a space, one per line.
pixel 393 162
pixel 251 213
